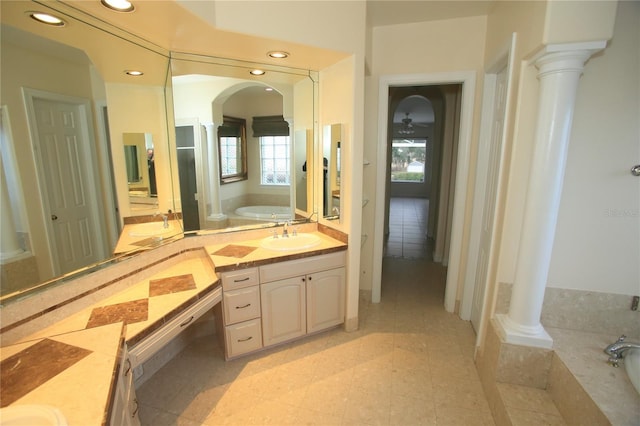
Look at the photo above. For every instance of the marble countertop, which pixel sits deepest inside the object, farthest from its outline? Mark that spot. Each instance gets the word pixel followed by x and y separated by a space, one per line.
pixel 244 253
pixel 55 365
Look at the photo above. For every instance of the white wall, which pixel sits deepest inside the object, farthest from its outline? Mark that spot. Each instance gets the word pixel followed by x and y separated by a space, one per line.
pixel 597 245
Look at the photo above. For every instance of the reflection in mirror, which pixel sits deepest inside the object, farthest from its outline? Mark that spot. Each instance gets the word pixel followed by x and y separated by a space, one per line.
pixel 140 170
pixel 278 111
pixel 232 149
pixel 64 196
pixel 331 140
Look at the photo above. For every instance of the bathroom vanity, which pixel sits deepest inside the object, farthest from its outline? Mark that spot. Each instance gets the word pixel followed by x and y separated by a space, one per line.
pixel 271 304
pixel 157 295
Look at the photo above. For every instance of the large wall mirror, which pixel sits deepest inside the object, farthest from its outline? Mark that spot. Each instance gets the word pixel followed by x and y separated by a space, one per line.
pixel 237 183
pixel 176 107
pixel 68 113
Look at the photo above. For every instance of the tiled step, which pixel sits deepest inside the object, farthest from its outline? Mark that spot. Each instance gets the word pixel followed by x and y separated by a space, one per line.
pixel 529 406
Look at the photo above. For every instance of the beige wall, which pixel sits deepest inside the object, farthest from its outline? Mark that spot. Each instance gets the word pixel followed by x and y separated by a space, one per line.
pixel 33 70
pixel 139 109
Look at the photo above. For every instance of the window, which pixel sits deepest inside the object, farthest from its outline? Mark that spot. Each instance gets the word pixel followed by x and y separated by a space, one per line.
pixel 232 142
pixel 275 160
pixel 408 157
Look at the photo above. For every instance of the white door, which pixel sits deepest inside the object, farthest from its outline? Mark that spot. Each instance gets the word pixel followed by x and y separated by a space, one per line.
pixel 62 144
pixel 486 230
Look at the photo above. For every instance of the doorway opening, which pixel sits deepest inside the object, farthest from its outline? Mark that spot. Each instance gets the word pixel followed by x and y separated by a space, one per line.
pixel 445 219
pixel 422 138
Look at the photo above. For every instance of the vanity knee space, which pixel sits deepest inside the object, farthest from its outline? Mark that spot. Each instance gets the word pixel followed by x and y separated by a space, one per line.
pixel 276 303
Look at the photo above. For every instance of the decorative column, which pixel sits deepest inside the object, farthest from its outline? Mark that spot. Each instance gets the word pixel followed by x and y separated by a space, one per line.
pixel 9 244
pixel 214 174
pixel 559 70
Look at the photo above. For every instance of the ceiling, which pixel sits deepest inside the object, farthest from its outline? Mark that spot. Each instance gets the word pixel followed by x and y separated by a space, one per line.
pixel 394 12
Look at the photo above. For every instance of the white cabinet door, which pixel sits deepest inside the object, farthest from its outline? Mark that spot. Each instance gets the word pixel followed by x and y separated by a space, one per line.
pixel 325 299
pixel 283 310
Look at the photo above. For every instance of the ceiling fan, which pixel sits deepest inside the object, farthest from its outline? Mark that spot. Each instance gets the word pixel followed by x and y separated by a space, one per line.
pixel 406 127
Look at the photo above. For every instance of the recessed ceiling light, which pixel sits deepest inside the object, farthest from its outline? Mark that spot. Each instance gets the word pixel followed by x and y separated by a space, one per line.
pixel 47 18
pixel 268 89
pixel 278 54
pixel 118 5
pixel 134 73
pixel 256 72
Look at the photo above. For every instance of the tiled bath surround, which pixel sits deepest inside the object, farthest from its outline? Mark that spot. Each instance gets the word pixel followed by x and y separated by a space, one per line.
pixel 575 374
pixel 591 311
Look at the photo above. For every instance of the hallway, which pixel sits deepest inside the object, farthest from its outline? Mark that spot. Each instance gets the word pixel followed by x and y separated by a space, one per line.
pixel 410 363
pixel 407 237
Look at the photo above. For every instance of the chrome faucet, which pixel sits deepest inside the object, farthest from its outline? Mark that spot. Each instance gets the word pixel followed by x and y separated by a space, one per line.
pixel 617 349
pixel 285 230
pixel 165 219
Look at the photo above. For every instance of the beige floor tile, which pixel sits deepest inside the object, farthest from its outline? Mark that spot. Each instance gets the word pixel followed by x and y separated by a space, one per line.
pixel 410 363
pixel 370 406
pixel 407 410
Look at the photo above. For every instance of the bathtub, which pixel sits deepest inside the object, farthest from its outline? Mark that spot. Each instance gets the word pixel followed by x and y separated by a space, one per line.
pixel 265 213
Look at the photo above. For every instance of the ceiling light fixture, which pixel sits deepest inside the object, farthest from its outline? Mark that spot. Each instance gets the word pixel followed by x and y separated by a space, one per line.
pixel 278 54
pixel 268 89
pixel 118 5
pixel 406 127
pixel 256 72
pixel 134 73
pixel 47 18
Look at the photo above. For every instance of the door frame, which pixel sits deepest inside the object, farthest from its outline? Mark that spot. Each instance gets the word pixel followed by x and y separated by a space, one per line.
pixel 90 158
pixel 504 59
pixel 468 81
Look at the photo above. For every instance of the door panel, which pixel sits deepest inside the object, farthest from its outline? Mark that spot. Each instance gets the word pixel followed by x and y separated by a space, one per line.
pixel 72 206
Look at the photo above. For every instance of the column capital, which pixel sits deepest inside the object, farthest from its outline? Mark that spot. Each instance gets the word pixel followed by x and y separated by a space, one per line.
pixel 565 56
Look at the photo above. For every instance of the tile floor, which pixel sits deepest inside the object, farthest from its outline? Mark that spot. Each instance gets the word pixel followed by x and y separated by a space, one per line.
pixel 408 229
pixel 410 363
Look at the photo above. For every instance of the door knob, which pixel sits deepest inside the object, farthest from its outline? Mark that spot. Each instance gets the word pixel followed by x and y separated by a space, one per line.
pixel 54 217
pixel 635 170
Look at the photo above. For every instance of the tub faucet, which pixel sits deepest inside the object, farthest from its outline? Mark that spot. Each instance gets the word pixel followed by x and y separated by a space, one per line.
pixel 616 350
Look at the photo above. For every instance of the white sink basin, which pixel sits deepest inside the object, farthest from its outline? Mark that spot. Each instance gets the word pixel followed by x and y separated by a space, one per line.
pixel 31 415
pixel 150 229
pixel 294 242
pixel 632 365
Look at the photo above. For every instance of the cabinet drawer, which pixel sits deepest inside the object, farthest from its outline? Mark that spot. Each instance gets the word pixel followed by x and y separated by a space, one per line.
pixel 239 279
pixel 243 337
pixel 292 268
pixel 146 348
pixel 241 304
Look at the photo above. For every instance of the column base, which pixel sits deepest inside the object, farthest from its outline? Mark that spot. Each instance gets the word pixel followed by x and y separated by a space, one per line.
pixel 509 332
pixel 217 217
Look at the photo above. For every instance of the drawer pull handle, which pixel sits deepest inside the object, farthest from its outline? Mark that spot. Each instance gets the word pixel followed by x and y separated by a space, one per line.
pixel 135 412
pixel 187 321
pixel 239 281
pixel 245 306
pixel 246 339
